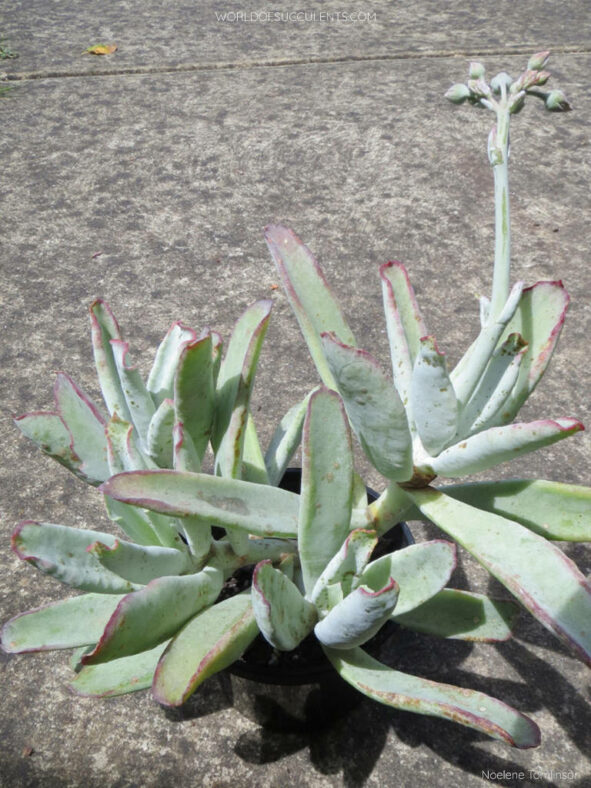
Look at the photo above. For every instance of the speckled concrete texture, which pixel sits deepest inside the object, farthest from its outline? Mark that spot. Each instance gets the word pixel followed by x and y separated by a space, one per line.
pixel 151 190
pixel 52 35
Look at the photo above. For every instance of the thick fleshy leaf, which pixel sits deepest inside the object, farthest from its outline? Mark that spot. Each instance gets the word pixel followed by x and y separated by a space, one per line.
pixel 138 524
pixel 326 495
pixel 311 299
pixel 195 529
pixel 140 564
pixel 134 522
pixel 551 509
pixel 539 317
pixel 345 568
pixel 61 552
pixel 360 517
pixel 543 579
pixel 462 615
pixel 494 388
pixel 285 441
pixel 105 328
pixel 210 642
pixel 161 378
pixel 471 366
pixel 374 408
pixel 421 571
pixel 160 437
pixel 198 536
pixel 284 617
pixel 194 398
pixel 411 693
pixel 86 426
pixel 275 550
pixel 139 402
pixel 119 676
pixel 123 451
pixel 358 617
pixel 234 387
pixel 216 354
pixel 404 321
pixel 258 509
pixel 253 464
pixel 65 624
pixel 51 435
pixel 500 444
pixel 147 617
pixel 184 456
pixel 391 508
pixel 239 361
pixel 433 400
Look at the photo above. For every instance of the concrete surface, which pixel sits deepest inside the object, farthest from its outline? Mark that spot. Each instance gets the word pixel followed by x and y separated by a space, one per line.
pixel 171 177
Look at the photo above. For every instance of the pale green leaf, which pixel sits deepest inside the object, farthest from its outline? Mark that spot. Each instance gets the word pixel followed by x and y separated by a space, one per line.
pixel 462 615
pixel 155 613
pixel 258 509
pixel 411 693
pixel 79 621
pixel 284 617
pixel 433 400
pixel 210 642
pixel 326 495
pixel 61 552
pixel 543 579
pixel 374 409
pixel 119 676
pixel 311 299
pixel 421 571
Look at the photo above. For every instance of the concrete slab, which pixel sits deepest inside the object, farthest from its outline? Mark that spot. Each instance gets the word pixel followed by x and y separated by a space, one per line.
pixel 51 37
pixel 151 190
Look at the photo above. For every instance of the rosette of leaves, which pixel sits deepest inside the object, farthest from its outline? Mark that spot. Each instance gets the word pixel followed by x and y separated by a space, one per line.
pixel 332 587
pixel 425 421
pixel 141 589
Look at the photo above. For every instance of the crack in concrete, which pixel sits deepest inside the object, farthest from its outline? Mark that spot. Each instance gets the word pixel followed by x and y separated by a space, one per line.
pixel 282 62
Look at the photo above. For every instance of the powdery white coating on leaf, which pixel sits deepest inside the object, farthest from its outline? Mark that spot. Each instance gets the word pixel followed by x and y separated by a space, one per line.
pixel 411 693
pixel 65 624
pixel 374 408
pixel 309 294
pixel 523 562
pixel 421 571
pixel 433 399
pixel 161 378
pixel 500 444
pixel 210 642
pixel 284 617
pixel 326 496
pixel 146 617
pixel 358 617
pixel 230 503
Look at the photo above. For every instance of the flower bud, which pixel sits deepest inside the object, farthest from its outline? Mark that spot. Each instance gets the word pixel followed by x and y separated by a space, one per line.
pixel 476 70
pixel 556 101
pixel 517 102
pixel 501 79
pixel 457 94
pixel 543 77
pixel 538 61
pixel 479 88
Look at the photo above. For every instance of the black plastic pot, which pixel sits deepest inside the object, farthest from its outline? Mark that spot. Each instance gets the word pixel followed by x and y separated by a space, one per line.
pixel 300 689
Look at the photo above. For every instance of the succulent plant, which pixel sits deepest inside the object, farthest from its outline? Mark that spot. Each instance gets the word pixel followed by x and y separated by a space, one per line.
pixel 427 421
pixel 155 612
